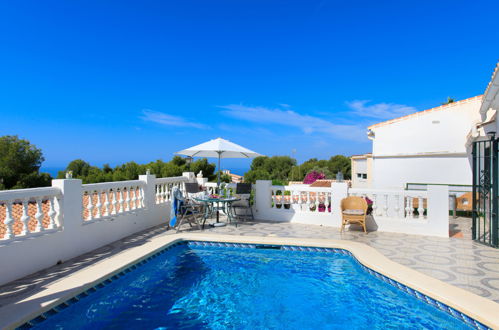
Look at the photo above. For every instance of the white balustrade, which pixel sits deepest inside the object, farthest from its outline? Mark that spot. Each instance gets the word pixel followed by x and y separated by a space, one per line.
pixel 164 186
pixel 389 203
pixel 211 187
pixel 24 211
pixel 301 199
pixel 126 196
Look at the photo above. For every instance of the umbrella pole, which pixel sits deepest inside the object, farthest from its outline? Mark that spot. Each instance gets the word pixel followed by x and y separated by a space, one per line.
pixel 218 184
pixel 218 179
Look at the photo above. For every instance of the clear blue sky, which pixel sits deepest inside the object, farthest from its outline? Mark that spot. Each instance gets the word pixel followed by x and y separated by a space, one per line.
pixel 114 81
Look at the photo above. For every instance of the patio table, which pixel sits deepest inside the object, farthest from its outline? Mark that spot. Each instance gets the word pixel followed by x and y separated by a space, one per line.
pixel 218 204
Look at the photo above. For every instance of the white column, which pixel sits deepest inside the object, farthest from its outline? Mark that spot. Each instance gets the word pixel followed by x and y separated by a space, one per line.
pixel 339 190
pixel 71 207
pixel 263 198
pixel 149 190
pixel 190 176
pixel 438 210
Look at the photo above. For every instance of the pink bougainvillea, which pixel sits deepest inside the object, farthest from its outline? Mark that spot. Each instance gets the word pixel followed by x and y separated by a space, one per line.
pixel 313 176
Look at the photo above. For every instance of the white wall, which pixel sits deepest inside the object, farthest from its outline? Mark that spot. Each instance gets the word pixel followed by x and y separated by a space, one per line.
pixel 427 147
pixel 395 173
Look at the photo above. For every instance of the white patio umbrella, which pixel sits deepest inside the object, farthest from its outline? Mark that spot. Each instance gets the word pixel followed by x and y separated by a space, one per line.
pixel 218 148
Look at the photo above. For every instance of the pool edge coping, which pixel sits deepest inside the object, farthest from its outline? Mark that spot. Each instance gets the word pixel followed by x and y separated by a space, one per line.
pixel 479 308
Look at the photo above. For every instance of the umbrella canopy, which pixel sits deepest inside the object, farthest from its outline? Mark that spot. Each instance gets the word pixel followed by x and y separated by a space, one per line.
pixel 218 148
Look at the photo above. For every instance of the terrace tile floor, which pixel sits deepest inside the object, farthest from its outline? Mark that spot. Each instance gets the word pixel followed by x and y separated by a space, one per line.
pixel 457 261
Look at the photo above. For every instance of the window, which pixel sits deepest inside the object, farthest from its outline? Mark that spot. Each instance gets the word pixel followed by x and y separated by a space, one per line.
pixel 359 175
pixel 364 176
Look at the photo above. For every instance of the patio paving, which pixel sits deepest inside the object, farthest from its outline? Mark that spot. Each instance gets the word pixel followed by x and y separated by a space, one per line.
pixel 457 261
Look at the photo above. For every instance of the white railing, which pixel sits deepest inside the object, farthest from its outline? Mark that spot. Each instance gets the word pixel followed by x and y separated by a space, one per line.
pixel 26 212
pixel 397 204
pixel 211 187
pixel 44 225
pixel 163 187
pixel 298 198
pixel 103 200
pixel 401 211
pixel 225 188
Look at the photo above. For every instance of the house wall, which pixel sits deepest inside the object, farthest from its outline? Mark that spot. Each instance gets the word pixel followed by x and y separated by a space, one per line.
pixel 426 147
pixel 361 165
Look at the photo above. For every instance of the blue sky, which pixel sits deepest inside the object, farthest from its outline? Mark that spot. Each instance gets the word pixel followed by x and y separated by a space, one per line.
pixel 111 82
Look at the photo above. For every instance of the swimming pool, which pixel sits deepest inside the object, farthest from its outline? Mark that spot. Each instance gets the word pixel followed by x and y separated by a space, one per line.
pixel 193 285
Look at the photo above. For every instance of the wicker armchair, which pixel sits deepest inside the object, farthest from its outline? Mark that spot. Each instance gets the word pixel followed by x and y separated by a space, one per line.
pixel 353 210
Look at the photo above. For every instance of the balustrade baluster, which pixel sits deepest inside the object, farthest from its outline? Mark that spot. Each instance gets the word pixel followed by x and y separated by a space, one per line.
pixel 25 217
pixel 385 207
pixel 39 215
pixel 166 192
pixel 409 208
pixel 107 204
pixel 420 208
pixel 397 206
pixel 115 201
pixel 98 206
pixel 317 197
pixel 9 221
pixel 127 200
pixel 170 190
pixel 309 200
pixel 52 213
pixel 134 198
pixel 90 205
pixel 158 194
pixel 375 204
pixel 406 206
pixel 141 197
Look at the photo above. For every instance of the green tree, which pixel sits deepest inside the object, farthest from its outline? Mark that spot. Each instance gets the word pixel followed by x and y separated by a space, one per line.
pixel 256 174
pixel 20 163
pixel 203 165
pixel 340 163
pixel 79 167
pixel 266 168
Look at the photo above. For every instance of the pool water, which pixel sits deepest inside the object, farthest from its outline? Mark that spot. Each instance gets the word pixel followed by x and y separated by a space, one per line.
pixel 209 287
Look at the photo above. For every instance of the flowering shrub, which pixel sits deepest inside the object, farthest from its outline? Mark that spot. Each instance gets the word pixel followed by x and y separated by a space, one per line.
pixel 369 205
pixel 313 176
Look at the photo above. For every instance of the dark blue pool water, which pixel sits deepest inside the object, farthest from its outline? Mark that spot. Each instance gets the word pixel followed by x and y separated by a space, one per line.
pixel 197 287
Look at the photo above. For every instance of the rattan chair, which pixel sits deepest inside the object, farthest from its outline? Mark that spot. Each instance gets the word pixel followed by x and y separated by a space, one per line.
pixel 353 210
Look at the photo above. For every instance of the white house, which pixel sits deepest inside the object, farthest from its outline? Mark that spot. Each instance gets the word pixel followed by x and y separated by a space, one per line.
pixel 488 112
pixel 426 147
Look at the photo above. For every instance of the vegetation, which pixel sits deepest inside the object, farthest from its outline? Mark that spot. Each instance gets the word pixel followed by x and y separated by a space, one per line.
pixel 449 100
pixel 131 170
pixel 20 163
pixel 282 169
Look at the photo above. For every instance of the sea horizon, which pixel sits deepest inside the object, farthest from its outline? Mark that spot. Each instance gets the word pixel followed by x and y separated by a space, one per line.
pixel 54 170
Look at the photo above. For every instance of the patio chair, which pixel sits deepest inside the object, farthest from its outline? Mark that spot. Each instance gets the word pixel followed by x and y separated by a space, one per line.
pixel 353 210
pixel 243 191
pixel 190 210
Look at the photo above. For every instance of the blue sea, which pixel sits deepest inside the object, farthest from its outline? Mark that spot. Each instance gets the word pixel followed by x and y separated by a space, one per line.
pixel 53 171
